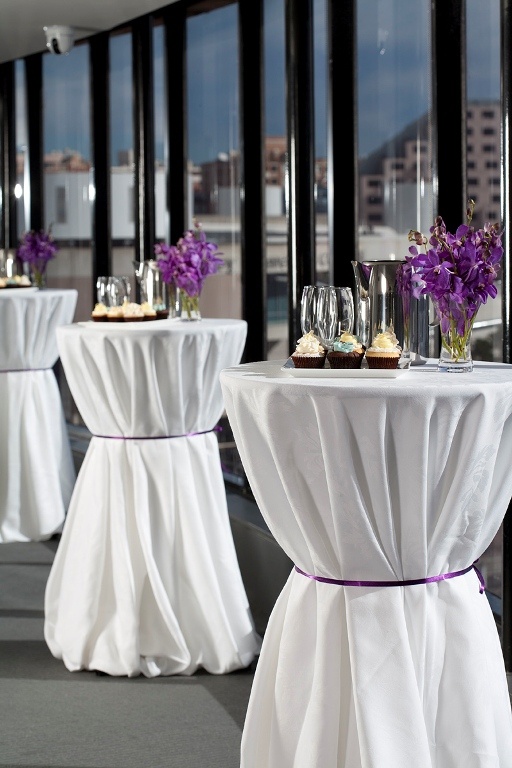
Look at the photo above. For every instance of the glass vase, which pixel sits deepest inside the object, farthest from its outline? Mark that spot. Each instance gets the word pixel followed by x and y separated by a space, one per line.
pixel 38 278
pixel 189 306
pixel 456 325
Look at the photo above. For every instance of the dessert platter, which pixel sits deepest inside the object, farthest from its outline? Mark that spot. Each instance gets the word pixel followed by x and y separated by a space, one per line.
pixel 15 283
pixel 127 312
pixel 16 288
pixel 126 325
pixel 341 373
pixel 346 358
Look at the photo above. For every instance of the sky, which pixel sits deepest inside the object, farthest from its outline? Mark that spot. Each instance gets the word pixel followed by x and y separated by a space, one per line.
pixel 393 86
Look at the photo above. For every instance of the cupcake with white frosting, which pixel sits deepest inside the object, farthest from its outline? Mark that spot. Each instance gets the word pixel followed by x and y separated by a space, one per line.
pixel 148 310
pixel 384 351
pixel 99 313
pixel 115 315
pixel 132 312
pixel 309 352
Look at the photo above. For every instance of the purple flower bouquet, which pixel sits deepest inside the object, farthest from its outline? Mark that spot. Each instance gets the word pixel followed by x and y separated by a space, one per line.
pixel 37 249
pixel 187 264
pixel 458 272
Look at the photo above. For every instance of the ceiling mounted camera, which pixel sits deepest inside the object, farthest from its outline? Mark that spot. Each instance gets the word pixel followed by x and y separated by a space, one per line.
pixel 59 40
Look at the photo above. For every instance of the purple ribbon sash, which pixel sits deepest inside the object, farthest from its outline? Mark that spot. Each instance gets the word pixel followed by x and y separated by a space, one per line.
pixel 406 583
pixel 158 437
pixel 23 370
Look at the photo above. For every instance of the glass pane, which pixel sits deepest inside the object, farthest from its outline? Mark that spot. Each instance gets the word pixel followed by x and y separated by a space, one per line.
pixel 394 135
pixel 213 150
pixel 321 64
pixel 22 189
pixel 67 171
pixel 484 151
pixel 121 139
pixel 159 110
pixel 483 180
pixel 275 175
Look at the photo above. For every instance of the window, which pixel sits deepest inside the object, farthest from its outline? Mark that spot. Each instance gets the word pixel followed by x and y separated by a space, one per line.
pixel 214 149
pixel 392 127
pixel 122 176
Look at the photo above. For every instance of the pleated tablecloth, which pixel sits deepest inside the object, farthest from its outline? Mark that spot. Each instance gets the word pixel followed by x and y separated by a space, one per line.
pixel 378 480
pixel 146 578
pixel 37 473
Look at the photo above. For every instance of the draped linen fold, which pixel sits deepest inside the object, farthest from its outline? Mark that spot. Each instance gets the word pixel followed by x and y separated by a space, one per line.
pixel 378 480
pixel 146 578
pixel 37 473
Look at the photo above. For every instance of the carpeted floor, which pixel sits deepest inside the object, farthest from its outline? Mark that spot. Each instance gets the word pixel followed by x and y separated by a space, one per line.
pixel 52 718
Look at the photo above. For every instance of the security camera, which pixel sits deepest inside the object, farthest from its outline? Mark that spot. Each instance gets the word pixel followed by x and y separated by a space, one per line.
pixel 59 40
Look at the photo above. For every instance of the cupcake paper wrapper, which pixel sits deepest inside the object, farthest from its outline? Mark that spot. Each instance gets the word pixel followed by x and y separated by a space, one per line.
pixel 382 362
pixel 308 361
pixel 339 360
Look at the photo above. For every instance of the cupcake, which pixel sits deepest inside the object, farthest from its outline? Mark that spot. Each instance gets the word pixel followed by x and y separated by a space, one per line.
pixel 115 315
pixel 384 351
pixel 161 310
pixel 309 353
pixel 132 312
pixel 148 310
pixel 347 352
pixel 99 313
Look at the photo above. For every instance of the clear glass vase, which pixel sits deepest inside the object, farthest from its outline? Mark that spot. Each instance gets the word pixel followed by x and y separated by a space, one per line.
pixel 189 306
pixel 38 278
pixel 456 325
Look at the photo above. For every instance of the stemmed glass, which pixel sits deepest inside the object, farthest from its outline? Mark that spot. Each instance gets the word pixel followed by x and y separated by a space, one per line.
pixel 102 294
pixel 308 318
pixel 334 313
pixel 117 291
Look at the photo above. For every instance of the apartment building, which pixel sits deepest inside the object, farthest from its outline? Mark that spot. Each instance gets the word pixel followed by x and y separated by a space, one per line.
pixel 387 174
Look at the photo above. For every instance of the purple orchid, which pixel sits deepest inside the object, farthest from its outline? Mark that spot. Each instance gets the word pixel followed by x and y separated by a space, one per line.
pixel 457 271
pixel 188 263
pixel 37 249
pixel 457 268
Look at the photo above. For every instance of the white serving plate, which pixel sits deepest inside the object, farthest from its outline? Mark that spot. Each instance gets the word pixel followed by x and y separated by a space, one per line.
pixel 17 288
pixel 126 325
pixel 341 373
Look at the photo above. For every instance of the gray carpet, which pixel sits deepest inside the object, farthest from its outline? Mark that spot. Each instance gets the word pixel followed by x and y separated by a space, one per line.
pixel 52 718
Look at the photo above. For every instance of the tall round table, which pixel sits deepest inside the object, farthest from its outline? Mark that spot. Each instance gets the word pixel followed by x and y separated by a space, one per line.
pixel 146 578
pixel 367 483
pixel 37 473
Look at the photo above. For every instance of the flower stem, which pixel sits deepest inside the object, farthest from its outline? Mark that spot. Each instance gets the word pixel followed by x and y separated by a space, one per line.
pixel 455 343
pixel 189 306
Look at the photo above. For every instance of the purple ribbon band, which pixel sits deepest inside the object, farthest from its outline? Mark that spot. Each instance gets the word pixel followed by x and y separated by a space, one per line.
pixel 23 370
pixel 406 583
pixel 158 437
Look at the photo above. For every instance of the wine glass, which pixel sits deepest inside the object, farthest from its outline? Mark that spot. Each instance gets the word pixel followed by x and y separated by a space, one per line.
pixel 334 312
pixel 116 291
pixel 308 309
pixel 102 294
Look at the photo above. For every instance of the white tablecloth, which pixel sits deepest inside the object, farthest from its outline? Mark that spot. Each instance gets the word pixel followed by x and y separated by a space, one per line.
pixel 36 465
pixel 146 578
pixel 378 480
